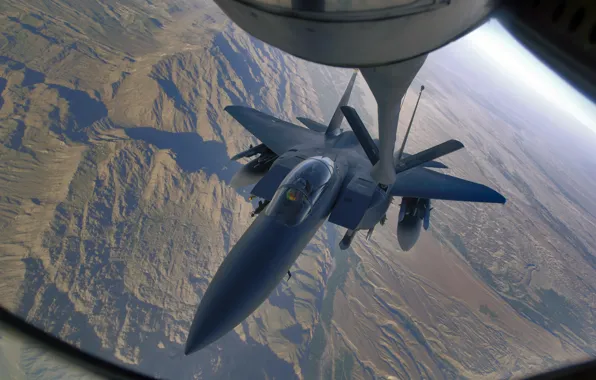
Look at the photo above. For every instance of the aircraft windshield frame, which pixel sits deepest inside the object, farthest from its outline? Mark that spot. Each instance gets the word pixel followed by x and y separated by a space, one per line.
pixel 300 190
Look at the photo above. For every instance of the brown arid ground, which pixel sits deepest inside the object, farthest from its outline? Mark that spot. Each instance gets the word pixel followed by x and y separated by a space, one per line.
pixel 115 209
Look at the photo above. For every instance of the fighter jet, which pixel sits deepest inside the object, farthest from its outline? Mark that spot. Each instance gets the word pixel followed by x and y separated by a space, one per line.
pixel 389 40
pixel 308 176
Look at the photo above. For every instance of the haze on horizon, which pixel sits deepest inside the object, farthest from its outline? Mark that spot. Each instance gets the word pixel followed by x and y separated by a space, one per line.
pixel 503 49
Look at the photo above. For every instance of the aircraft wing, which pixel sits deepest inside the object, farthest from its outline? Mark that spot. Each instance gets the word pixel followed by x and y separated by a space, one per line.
pixel 424 183
pixel 276 134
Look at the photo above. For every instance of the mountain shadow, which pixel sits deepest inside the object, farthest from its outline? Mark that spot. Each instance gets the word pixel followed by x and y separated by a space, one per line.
pixel 2 87
pixel 83 111
pixel 30 77
pixel 193 154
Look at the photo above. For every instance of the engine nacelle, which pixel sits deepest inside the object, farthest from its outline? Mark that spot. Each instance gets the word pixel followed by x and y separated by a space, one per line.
pixel 254 170
pixel 414 213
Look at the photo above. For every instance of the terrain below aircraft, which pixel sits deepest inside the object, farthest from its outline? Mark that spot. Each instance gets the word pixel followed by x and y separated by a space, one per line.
pixel 309 176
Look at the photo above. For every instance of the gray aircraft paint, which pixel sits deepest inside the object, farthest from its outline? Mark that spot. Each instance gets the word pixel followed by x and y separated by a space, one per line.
pixel 254 267
pixel 263 255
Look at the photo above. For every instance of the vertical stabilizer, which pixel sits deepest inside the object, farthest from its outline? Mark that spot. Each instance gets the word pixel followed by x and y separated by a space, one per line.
pixel 338 117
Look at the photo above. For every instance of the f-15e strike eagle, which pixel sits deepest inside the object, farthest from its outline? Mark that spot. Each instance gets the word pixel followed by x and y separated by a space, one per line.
pixel 307 176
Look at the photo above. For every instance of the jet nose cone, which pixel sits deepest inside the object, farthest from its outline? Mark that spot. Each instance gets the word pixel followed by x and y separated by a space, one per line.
pixel 196 339
pixel 244 280
pixel 199 337
pixel 209 324
pixel 193 346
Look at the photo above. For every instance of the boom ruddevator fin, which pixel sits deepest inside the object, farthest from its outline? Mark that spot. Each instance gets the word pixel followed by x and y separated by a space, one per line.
pixel 335 123
pixel 372 150
pixel 427 155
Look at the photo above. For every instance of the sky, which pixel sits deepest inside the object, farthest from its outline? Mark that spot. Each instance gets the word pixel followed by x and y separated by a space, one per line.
pixel 513 57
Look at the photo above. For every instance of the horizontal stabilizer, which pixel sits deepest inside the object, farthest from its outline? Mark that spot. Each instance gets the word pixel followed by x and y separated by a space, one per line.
pixel 430 164
pixel 424 183
pixel 428 155
pixel 368 144
pixel 312 125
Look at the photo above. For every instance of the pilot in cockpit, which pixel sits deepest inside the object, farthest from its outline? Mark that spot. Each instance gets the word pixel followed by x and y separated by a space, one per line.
pixel 294 195
pixel 300 190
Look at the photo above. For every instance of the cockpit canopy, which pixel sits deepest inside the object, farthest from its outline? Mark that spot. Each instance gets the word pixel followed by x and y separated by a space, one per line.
pixel 300 190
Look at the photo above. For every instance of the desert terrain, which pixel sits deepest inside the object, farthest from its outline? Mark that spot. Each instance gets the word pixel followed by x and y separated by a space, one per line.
pixel 115 209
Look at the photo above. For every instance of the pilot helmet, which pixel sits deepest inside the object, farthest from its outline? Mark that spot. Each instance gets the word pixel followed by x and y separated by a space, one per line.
pixel 303 184
pixel 293 194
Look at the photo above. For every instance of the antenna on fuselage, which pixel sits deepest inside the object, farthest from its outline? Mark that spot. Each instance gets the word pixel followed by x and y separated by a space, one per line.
pixel 403 144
